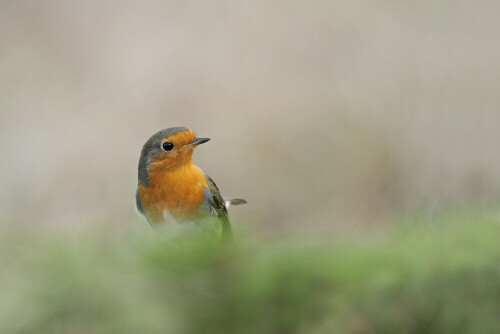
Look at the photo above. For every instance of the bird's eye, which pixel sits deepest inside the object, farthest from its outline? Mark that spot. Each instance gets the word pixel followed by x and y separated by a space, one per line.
pixel 167 146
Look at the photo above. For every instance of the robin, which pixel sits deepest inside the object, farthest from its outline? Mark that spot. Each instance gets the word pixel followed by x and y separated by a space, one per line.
pixel 173 192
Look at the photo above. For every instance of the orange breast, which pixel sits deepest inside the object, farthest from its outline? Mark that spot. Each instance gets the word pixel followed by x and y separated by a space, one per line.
pixel 178 191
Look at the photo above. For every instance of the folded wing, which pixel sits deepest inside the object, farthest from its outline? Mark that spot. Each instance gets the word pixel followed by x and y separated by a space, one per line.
pixel 217 207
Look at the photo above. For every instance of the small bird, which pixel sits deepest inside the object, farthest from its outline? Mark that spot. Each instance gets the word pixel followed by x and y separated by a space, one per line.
pixel 173 192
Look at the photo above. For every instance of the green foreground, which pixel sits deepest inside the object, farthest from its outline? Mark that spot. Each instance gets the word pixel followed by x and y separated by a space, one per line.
pixel 442 277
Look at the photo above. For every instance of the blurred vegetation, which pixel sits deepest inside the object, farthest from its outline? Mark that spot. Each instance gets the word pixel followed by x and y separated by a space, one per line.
pixel 417 277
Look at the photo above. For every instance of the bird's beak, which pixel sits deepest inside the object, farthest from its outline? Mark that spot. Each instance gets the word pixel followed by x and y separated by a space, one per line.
pixel 197 141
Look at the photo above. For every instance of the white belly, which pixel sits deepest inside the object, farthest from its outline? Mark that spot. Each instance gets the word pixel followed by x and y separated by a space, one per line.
pixel 174 228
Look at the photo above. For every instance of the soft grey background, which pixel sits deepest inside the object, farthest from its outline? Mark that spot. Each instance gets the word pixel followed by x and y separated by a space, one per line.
pixel 324 115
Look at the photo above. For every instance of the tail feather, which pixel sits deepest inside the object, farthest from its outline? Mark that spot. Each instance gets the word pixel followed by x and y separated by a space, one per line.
pixel 234 201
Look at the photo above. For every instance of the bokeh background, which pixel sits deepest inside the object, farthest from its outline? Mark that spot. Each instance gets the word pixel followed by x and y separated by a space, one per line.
pixel 331 118
pixel 322 113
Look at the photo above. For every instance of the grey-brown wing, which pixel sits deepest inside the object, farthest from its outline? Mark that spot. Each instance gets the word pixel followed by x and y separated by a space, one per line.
pixel 216 205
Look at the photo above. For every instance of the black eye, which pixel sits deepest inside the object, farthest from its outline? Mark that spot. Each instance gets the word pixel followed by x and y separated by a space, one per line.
pixel 168 146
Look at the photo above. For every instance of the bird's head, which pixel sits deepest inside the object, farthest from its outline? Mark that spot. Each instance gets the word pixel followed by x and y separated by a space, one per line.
pixel 166 149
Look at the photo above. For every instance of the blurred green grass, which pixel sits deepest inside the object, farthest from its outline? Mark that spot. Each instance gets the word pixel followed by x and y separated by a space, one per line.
pixel 421 277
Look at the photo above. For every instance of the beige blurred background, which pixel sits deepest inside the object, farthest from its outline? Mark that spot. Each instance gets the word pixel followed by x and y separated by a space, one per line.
pixel 324 115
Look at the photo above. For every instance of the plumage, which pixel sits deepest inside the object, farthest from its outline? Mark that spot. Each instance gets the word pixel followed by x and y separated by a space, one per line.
pixel 218 207
pixel 173 191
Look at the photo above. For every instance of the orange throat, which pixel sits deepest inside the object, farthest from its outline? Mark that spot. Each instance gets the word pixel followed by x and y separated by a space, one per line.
pixel 178 192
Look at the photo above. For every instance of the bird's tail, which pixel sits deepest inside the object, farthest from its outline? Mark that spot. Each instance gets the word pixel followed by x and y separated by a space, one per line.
pixel 234 201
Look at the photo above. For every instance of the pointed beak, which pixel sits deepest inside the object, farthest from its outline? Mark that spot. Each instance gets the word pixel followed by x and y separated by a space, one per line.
pixel 197 141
